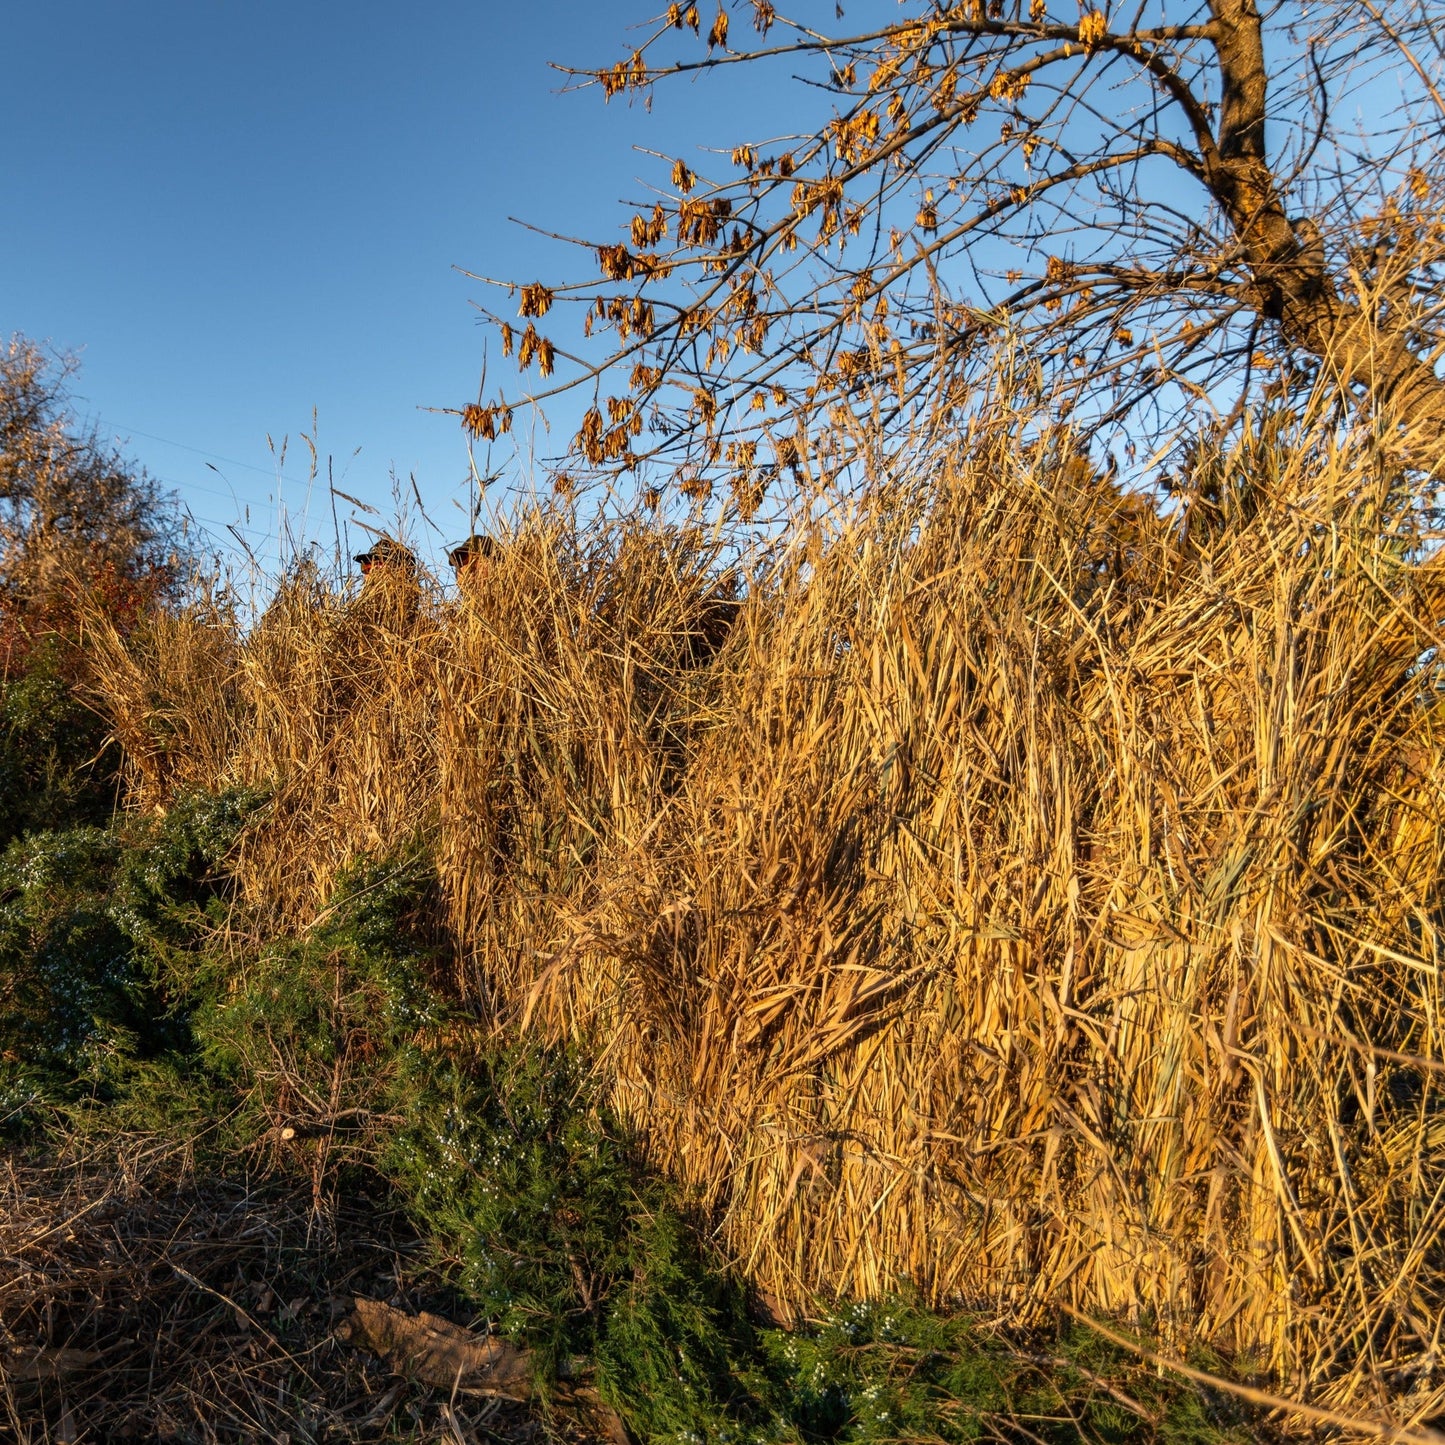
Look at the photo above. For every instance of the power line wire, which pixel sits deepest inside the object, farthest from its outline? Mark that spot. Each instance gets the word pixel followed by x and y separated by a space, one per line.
pixel 232 528
pixel 199 451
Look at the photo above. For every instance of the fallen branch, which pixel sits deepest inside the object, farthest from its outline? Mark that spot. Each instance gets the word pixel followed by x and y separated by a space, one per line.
pixel 434 1351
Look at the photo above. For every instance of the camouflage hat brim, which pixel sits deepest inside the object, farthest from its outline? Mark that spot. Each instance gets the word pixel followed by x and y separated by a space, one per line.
pixel 473 549
pixel 390 554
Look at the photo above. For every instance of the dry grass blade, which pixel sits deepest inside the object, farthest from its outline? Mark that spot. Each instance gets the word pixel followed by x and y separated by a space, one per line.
pixel 1355 1424
pixel 994 883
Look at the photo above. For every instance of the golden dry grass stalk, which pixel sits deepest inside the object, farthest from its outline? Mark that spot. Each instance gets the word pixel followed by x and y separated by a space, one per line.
pixel 1011 890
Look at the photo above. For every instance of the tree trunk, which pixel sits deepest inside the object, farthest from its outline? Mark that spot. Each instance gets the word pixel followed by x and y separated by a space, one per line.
pixel 1292 282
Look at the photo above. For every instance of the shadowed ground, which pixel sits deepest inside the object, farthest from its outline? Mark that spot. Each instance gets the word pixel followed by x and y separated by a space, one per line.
pixel 136 1303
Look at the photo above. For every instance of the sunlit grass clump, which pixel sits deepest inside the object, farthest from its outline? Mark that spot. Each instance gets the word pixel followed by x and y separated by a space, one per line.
pixel 994 885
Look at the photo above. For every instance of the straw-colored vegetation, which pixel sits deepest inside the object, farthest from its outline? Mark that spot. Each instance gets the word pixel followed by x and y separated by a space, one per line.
pixel 981 914
pixel 990 883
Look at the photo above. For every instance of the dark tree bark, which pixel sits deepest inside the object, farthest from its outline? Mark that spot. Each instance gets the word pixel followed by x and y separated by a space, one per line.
pixel 1292 284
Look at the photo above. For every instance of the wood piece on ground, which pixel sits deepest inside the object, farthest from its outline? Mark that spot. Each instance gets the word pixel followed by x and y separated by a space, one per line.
pixel 434 1351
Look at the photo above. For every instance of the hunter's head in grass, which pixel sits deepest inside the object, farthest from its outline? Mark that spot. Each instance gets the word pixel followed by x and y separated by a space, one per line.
pixel 386 557
pixel 472 561
pixel 391 584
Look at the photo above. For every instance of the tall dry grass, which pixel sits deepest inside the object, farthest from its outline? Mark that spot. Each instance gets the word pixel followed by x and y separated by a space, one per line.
pixel 1030 896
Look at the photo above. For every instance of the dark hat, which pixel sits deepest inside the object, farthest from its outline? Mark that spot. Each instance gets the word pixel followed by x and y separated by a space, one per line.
pixel 388 552
pixel 474 546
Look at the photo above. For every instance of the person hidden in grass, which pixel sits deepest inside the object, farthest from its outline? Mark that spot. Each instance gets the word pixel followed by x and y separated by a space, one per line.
pixel 390 582
pixel 388 557
pixel 472 561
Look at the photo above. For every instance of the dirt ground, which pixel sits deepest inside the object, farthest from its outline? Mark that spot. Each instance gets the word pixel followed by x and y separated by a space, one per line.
pixel 139 1302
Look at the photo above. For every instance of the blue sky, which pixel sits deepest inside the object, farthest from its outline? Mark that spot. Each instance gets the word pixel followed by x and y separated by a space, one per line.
pixel 236 211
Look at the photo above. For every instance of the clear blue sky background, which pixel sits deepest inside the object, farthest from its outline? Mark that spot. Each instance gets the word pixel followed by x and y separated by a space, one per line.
pixel 238 210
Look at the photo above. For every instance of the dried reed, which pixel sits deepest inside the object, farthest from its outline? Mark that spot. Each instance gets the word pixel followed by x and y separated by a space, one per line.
pixel 1009 890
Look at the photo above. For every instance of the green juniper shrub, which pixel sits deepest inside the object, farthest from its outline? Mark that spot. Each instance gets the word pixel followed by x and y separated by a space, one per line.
pixel 881 1370
pixel 89 920
pixel 677 1352
pixel 173 891
pixel 68 985
pixel 1185 1414
pixel 172 897
pixel 565 1242
pixel 56 769
pixel 328 1034
pixel 891 1369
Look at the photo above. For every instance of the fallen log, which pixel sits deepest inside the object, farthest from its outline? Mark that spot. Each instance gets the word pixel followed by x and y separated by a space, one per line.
pixel 433 1351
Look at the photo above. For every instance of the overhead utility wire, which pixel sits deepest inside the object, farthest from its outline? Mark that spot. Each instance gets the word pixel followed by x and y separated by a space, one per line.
pixel 199 451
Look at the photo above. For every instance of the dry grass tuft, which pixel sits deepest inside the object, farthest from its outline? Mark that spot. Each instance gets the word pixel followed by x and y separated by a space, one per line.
pixel 136 1303
pixel 991 883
